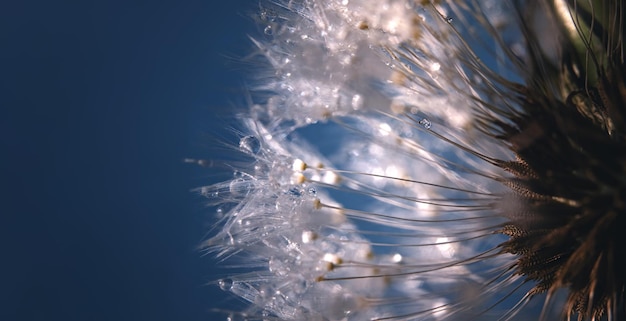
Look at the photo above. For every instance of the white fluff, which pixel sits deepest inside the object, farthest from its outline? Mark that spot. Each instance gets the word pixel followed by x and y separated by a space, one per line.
pixel 353 208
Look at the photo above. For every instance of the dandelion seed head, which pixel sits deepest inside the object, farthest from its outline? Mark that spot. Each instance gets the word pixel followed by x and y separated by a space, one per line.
pixel 400 172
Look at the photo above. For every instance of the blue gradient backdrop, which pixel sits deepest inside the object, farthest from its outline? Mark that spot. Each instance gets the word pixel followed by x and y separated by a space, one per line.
pixel 99 104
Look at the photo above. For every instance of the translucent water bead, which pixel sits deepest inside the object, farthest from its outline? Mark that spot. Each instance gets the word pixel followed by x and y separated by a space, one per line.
pixel 250 145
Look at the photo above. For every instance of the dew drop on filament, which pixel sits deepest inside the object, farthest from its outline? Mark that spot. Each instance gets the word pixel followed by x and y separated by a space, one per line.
pixel 426 123
pixel 225 284
pixel 249 145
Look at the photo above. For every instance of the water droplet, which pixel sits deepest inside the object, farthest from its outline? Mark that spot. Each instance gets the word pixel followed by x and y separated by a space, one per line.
pixel 426 123
pixel 449 19
pixel 312 191
pixel 268 15
pixel 268 30
pixel 225 284
pixel 278 267
pixel 239 187
pixel 250 145
pixel 236 317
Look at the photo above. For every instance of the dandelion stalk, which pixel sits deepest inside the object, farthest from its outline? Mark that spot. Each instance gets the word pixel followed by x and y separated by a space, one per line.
pixel 431 160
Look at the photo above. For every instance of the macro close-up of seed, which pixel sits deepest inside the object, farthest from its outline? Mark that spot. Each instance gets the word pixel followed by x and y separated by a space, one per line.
pixel 427 160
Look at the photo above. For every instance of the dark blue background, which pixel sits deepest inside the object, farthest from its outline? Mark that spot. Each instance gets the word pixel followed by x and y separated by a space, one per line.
pixel 99 104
